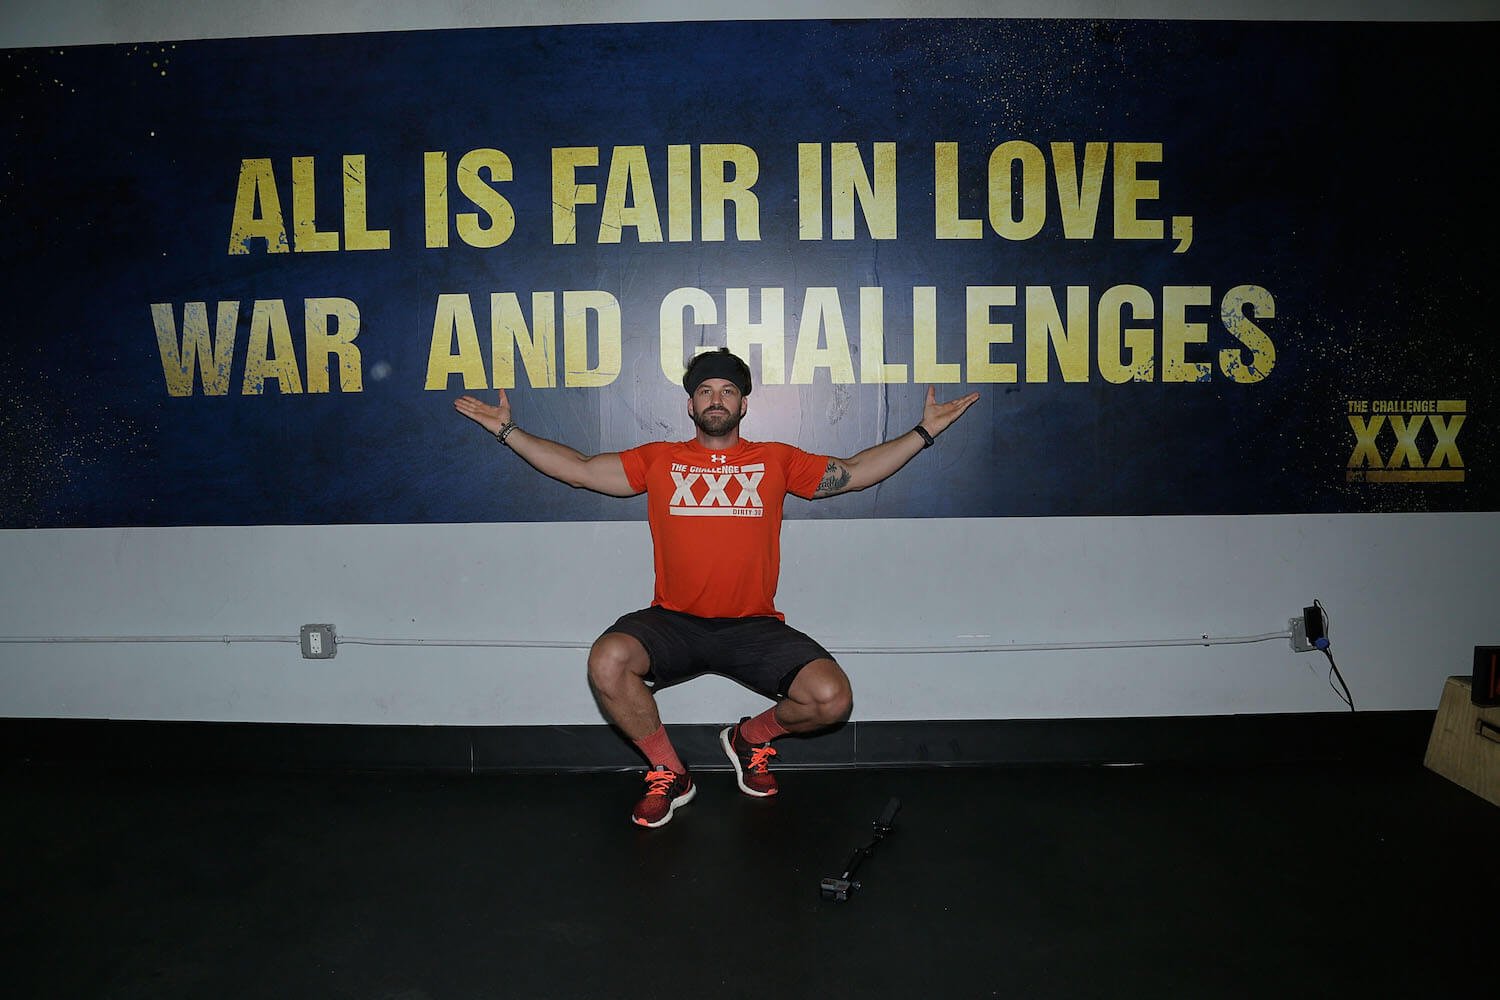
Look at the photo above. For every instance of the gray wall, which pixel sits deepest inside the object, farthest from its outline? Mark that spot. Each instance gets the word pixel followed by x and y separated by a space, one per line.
pixel 1409 595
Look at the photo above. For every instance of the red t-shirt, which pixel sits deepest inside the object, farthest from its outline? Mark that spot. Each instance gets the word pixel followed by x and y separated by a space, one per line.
pixel 716 521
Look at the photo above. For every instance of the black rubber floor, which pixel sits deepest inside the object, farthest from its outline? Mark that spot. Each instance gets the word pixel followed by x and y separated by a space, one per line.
pixel 1306 880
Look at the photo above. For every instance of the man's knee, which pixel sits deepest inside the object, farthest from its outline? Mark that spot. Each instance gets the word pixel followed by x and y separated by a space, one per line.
pixel 616 659
pixel 825 687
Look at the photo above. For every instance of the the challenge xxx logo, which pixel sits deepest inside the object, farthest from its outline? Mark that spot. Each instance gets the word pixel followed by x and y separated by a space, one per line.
pixel 1406 440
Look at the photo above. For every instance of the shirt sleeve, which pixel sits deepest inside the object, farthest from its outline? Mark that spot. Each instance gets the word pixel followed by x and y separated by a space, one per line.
pixel 804 471
pixel 637 461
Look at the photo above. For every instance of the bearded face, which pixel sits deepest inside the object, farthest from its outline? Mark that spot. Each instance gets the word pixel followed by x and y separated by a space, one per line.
pixel 717 407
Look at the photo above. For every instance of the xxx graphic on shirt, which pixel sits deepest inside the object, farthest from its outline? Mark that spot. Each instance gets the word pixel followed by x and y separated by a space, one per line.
pixel 704 492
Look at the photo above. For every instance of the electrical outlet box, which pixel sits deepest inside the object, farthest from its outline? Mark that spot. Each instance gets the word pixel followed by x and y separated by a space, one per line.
pixel 318 642
pixel 1300 642
pixel 1312 623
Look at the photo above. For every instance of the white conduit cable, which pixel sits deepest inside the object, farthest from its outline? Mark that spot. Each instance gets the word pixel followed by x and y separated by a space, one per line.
pixel 860 649
pixel 361 640
pixel 1024 647
pixel 224 639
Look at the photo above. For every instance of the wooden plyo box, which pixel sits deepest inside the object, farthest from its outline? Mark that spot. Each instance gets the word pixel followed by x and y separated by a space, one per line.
pixel 1465 742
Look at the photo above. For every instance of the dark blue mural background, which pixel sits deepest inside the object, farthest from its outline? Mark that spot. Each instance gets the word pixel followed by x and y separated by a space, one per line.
pixel 1346 168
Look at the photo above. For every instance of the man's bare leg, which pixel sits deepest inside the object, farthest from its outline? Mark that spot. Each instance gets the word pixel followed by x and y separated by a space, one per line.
pixel 819 697
pixel 618 665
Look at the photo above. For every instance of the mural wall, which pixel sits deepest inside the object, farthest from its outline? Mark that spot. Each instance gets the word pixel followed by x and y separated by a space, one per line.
pixel 1193 267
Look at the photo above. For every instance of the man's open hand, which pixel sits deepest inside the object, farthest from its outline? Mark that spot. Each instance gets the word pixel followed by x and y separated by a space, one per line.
pixel 491 418
pixel 937 416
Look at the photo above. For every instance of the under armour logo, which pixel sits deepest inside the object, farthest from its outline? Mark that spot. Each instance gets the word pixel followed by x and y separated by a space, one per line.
pixel 718 458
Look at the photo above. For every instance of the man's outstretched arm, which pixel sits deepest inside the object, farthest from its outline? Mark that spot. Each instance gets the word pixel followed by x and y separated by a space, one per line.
pixel 600 473
pixel 877 464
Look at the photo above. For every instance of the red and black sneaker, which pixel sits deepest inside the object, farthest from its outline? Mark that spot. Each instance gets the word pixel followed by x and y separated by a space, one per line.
pixel 665 791
pixel 751 761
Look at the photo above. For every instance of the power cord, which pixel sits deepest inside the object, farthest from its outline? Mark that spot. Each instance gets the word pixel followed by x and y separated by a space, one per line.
pixel 1323 644
pixel 834 647
pixel 1320 643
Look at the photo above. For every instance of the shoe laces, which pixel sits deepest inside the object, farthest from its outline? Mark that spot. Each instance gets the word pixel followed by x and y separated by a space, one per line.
pixel 760 755
pixel 660 781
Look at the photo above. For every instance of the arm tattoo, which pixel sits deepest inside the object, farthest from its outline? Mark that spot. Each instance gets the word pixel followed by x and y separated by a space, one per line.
pixel 835 480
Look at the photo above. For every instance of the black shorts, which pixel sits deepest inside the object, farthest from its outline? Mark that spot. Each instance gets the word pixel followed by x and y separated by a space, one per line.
pixel 762 653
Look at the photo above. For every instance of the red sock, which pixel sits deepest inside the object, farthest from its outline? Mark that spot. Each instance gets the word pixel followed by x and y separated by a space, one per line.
pixel 658 750
pixel 763 728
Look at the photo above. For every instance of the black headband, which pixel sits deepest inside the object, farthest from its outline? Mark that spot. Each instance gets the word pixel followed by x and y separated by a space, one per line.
pixel 717 364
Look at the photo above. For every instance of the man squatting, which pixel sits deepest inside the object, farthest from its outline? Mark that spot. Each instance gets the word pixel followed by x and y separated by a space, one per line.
pixel 716 572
